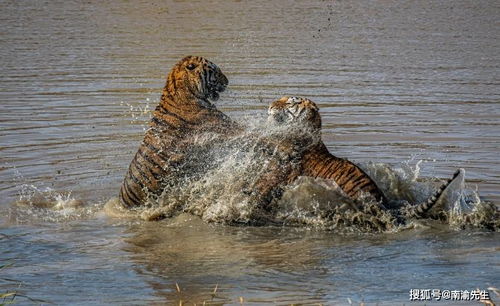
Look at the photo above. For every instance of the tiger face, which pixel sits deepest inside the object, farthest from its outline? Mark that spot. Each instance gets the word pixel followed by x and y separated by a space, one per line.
pixel 295 110
pixel 197 76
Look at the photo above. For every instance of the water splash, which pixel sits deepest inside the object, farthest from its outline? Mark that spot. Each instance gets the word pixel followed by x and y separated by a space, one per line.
pixel 48 205
pixel 220 187
pixel 223 192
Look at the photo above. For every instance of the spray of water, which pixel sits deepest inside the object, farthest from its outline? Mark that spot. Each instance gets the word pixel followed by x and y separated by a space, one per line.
pixel 48 205
pixel 220 178
pixel 225 191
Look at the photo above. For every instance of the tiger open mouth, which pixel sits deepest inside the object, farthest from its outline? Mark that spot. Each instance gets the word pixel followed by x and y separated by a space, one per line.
pixel 214 90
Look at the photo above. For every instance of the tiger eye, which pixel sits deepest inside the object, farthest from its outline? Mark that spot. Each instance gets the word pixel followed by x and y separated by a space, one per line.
pixel 191 66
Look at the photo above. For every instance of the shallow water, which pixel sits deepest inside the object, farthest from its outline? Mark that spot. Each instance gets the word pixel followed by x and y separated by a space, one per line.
pixel 396 82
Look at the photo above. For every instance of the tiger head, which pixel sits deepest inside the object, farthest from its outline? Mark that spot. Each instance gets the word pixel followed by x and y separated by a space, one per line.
pixel 295 111
pixel 198 77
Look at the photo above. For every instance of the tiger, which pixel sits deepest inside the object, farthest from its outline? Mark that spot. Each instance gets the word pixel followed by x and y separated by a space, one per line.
pixel 185 110
pixel 303 118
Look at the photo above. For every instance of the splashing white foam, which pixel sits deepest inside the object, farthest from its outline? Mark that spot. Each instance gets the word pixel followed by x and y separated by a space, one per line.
pixel 47 204
pixel 222 190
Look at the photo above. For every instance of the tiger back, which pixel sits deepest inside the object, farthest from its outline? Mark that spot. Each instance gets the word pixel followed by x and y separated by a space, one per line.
pixel 318 162
pixel 185 110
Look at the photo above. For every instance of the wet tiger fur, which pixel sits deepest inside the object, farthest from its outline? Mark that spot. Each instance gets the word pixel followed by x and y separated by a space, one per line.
pixel 185 110
pixel 316 161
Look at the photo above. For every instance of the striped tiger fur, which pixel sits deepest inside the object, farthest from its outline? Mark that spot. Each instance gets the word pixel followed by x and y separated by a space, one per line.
pixel 185 109
pixel 318 162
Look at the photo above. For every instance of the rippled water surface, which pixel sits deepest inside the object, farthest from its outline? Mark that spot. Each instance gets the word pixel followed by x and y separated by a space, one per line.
pixel 397 82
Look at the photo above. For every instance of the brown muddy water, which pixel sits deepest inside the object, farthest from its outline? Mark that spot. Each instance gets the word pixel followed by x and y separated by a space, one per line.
pixel 411 86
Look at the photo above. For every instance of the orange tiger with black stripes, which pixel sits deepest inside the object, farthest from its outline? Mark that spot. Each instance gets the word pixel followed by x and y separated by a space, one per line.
pixel 302 117
pixel 185 110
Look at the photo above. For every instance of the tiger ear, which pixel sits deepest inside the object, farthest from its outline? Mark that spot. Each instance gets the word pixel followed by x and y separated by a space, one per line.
pixel 284 99
pixel 313 105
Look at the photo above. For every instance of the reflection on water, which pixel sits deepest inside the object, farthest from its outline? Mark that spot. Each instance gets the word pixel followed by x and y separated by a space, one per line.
pixel 395 81
pixel 283 265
